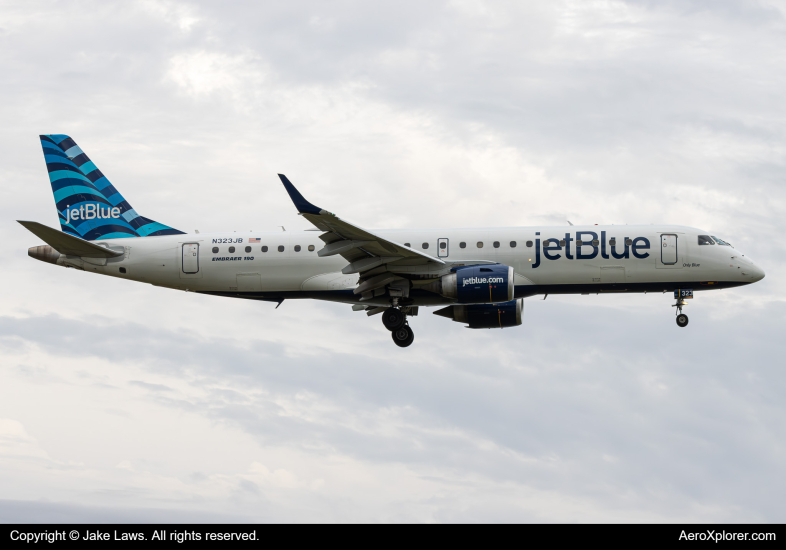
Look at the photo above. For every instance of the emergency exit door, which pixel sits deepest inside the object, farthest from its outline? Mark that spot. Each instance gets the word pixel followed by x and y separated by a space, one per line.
pixel 442 248
pixel 191 258
pixel 668 249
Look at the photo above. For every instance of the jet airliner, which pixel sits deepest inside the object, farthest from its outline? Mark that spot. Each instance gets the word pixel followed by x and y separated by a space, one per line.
pixel 479 276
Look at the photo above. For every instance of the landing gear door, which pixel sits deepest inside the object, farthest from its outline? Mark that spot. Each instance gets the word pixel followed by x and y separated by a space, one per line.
pixel 668 249
pixel 442 248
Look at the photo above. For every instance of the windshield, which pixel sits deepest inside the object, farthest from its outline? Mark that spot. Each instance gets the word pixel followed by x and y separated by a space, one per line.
pixel 705 239
pixel 721 242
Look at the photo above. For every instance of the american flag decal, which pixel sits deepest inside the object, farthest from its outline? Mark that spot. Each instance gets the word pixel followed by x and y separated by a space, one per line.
pixel 254 240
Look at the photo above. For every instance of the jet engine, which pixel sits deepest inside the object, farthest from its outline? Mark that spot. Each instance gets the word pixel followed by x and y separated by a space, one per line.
pixel 476 284
pixel 503 315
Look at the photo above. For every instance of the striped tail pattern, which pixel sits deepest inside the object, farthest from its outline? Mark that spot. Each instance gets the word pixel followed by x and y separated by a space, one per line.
pixel 88 205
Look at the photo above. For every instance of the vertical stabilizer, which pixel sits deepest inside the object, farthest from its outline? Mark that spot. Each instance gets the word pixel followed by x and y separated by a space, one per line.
pixel 88 205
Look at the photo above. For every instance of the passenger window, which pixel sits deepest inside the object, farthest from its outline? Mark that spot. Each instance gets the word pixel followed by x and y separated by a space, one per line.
pixel 496 244
pixel 425 246
pixel 705 239
pixel 613 242
pixel 264 249
pixel 529 244
pixel 595 242
pixel 311 248
pixel 297 248
pixel 513 244
pixel 281 248
pixel 231 249
pixel 579 242
pixel 443 245
pixel 562 242
pixel 480 244
pixel 462 244
pixel 628 242
pixel 248 249
pixel 215 250
pixel 408 245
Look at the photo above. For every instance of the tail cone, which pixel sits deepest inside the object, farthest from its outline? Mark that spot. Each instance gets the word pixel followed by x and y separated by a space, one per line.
pixel 45 253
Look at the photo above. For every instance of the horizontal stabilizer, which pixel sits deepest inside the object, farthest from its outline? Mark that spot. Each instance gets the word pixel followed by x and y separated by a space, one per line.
pixel 68 244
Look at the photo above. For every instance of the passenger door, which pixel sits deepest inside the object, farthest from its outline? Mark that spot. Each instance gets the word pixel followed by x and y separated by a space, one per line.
pixel 668 249
pixel 672 251
pixel 191 258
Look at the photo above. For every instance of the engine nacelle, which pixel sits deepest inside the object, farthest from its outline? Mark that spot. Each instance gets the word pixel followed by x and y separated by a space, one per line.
pixel 503 315
pixel 476 284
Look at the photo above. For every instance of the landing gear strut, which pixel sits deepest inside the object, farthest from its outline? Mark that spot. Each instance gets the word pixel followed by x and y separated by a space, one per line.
pixel 682 319
pixel 403 336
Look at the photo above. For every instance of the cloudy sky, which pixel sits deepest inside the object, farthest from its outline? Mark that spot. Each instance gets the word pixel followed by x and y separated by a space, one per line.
pixel 127 402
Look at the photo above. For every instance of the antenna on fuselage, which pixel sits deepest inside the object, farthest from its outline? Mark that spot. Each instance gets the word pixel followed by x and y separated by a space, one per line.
pixel 569 222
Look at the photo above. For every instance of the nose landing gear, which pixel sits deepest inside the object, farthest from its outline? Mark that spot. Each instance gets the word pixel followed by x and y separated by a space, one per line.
pixel 682 319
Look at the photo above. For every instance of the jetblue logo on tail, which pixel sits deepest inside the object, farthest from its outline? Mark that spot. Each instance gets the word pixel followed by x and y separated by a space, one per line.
pixel 90 212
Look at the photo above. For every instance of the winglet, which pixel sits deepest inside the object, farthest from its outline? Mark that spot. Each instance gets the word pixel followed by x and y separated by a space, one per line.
pixel 302 205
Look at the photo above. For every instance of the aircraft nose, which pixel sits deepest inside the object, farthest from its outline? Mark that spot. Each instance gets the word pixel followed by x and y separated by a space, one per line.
pixel 751 271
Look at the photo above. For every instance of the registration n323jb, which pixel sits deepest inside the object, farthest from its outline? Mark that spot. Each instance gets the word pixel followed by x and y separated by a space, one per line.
pixel 479 276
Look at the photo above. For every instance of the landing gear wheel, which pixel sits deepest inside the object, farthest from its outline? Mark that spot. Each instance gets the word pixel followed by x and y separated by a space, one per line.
pixel 393 318
pixel 682 320
pixel 403 336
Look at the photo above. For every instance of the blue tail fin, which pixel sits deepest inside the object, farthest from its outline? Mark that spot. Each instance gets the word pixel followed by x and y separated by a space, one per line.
pixel 88 205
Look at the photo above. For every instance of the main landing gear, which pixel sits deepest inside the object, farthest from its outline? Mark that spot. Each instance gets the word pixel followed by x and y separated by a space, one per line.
pixel 682 319
pixel 396 322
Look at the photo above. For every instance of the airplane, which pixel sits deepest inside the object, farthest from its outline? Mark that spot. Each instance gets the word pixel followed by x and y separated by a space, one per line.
pixel 480 276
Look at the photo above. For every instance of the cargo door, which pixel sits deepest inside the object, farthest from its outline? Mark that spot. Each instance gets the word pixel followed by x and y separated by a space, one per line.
pixel 612 275
pixel 249 282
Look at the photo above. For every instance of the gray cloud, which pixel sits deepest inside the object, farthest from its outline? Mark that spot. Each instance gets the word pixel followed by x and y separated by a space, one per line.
pixel 596 409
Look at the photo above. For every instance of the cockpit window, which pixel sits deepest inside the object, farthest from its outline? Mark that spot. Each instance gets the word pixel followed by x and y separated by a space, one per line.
pixel 705 239
pixel 720 242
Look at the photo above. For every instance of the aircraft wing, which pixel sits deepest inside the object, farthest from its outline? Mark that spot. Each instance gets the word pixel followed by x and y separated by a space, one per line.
pixel 373 257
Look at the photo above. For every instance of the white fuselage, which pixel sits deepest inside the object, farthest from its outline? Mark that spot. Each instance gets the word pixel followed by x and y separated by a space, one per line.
pixel 205 262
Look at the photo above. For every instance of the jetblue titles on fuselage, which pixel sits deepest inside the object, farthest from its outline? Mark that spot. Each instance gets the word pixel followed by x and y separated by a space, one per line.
pixel 589 240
